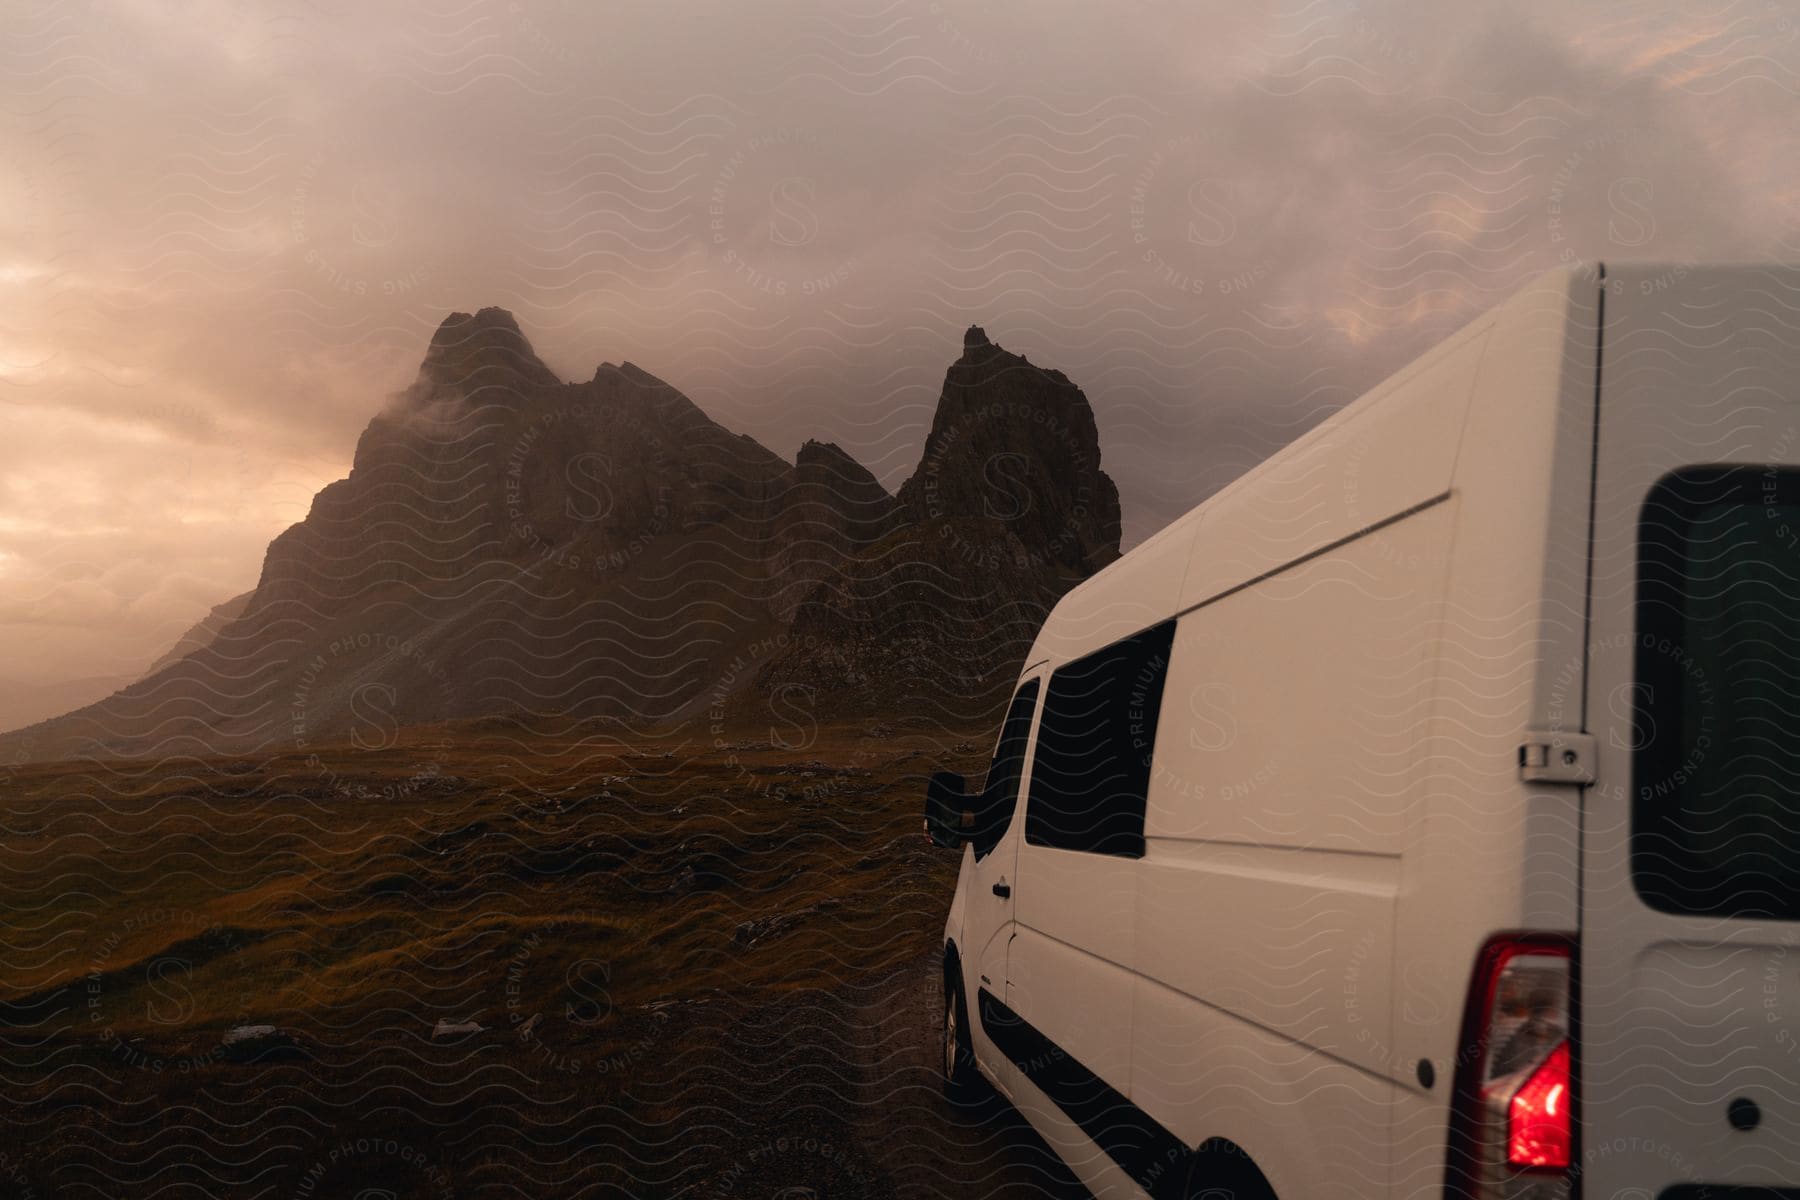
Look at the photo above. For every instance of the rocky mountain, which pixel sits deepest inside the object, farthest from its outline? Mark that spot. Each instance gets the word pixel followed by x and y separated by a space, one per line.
pixel 202 633
pixel 511 546
pixel 1008 510
pixel 23 701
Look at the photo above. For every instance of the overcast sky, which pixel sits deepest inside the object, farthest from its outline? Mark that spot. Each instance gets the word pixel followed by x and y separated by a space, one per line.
pixel 228 229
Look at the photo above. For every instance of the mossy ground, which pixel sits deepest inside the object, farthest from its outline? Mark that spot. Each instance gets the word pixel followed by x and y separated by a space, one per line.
pixel 645 932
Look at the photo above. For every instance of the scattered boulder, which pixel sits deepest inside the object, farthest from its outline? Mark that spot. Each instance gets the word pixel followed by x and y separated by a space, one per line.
pixel 757 930
pixel 247 1033
pixel 259 1043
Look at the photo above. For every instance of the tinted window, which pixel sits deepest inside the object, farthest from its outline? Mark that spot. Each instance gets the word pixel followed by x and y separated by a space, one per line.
pixel 1091 773
pixel 1000 794
pixel 1716 701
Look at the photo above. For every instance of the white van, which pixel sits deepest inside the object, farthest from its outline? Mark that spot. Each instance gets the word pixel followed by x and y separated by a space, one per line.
pixel 1420 816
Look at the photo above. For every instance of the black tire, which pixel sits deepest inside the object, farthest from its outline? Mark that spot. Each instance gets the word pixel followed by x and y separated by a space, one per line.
pixel 956 1055
pixel 1221 1169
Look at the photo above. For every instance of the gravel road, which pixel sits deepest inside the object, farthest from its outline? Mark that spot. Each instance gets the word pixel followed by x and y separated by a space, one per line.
pixel 837 1096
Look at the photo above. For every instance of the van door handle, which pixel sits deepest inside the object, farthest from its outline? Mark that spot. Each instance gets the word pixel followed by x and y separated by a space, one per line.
pixel 1001 890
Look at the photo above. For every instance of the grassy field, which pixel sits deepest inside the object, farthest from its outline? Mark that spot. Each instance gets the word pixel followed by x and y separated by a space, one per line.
pixel 475 964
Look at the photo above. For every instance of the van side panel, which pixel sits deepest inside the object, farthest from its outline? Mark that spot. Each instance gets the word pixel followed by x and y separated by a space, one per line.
pixel 1285 784
pixel 1387 453
pixel 1079 1001
pixel 1069 972
pixel 1314 1128
pixel 1132 594
pixel 1293 707
pixel 1493 853
pixel 1092 1165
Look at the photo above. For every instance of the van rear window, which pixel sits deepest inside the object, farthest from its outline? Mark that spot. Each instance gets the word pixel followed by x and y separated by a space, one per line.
pixel 1091 773
pixel 1716 700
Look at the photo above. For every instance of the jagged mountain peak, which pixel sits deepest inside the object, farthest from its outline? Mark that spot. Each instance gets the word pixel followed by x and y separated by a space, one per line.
pixel 516 546
pixel 479 352
pixel 827 455
pixel 1018 444
pixel 844 485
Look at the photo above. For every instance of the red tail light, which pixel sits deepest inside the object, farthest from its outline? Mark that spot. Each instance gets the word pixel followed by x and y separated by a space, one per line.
pixel 1538 1124
pixel 1512 1129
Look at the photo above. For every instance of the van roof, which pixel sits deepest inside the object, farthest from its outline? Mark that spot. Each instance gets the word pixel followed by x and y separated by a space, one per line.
pixel 1145 585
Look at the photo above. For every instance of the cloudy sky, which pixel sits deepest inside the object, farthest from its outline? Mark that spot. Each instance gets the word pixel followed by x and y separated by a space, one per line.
pixel 227 229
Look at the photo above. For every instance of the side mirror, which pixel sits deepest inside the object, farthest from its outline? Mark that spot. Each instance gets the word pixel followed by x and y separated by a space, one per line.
pixel 948 819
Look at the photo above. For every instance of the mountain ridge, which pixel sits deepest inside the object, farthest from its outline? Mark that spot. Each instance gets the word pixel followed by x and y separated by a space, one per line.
pixel 510 545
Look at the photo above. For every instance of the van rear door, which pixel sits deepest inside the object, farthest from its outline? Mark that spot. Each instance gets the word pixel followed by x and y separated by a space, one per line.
pixel 1688 1071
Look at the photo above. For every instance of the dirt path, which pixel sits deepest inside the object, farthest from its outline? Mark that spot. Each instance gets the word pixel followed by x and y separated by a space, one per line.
pixel 929 1146
pixel 835 1094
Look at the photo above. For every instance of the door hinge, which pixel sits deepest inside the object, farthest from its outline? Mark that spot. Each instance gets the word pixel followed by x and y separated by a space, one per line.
pixel 1556 756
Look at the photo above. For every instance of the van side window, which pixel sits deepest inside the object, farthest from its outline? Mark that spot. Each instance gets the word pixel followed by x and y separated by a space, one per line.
pixel 1000 794
pixel 1091 774
pixel 1716 703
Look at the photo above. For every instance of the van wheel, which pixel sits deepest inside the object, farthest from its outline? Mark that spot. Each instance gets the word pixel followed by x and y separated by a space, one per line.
pixel 956 1058
pixel 1221 1169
